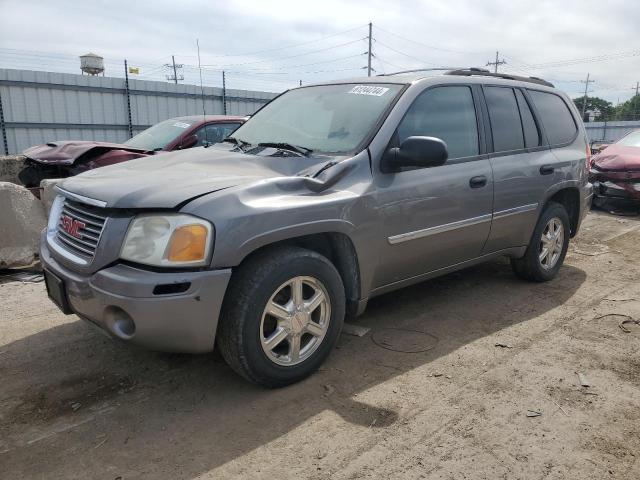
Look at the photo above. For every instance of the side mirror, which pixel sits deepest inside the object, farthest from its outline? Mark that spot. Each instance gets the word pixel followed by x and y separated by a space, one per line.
pixel 417 151
pixel 188 142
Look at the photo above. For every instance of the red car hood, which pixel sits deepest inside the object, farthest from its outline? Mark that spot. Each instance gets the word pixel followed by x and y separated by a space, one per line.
pixel 618 158
pixel 67 152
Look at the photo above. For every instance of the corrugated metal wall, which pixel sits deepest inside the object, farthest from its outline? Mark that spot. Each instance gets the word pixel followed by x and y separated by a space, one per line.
pixel 610 131
pixel 39 107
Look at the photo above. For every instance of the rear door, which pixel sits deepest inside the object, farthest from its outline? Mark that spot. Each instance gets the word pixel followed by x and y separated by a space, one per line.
pixel 523 167
pixel 431 218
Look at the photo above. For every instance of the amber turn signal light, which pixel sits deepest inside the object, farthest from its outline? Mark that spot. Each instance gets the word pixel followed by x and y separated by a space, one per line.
pixel 188 244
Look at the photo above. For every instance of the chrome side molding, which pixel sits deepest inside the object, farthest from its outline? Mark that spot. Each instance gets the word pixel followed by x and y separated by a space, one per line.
pixel 447 227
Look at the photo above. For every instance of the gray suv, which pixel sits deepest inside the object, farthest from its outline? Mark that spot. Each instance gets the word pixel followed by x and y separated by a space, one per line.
pixel 329 195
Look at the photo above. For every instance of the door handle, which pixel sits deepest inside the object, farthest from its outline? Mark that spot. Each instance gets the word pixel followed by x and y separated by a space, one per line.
pixel 546 169
pixel 477 182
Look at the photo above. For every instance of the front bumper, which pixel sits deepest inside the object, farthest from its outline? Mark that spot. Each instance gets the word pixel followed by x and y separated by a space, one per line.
pixel 125 302
pixel 617 190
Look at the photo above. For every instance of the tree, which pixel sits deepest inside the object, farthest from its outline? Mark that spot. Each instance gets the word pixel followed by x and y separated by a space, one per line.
pixel 602 109
pixel 629 110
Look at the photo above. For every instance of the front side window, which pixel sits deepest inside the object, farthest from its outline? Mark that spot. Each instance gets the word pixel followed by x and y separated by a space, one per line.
pixel 324 118
pixel 556 117
pixel 214 133
pixel 447 113
pixel 160 135
pixel 505 119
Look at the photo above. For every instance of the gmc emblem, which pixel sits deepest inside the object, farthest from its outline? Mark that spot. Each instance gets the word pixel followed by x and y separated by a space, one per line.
pixel 72 226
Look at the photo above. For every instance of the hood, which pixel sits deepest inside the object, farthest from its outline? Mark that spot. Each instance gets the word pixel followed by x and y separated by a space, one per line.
pixel 167 180
pixel 618 158
pixel 67 152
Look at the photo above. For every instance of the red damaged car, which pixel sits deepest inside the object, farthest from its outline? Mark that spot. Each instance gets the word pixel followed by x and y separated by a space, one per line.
pixel 67 158
pixel 615 172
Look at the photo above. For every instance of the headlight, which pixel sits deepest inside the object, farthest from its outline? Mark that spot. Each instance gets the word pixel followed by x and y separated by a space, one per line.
pixel 54 216
pixel 168 240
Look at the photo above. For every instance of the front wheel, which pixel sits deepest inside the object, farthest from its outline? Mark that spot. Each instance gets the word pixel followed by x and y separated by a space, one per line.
pixel 548 247
pixel 282 315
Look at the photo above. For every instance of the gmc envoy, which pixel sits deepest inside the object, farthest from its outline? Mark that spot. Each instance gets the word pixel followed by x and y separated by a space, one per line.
pixel 329 195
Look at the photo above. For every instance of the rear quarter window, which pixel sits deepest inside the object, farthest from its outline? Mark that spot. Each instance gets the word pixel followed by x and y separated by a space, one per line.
pixel 556 118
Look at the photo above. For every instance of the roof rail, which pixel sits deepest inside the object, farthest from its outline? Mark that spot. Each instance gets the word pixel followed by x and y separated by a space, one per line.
pixel 467 72
pixel 420 70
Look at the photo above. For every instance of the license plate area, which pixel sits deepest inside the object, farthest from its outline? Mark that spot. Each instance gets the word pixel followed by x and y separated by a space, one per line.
pixel 57 292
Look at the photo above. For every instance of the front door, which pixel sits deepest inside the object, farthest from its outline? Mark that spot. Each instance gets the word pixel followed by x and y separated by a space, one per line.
pixel 435 217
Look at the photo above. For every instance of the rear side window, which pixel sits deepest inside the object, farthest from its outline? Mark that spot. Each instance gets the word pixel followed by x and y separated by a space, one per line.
pixel 447 113
pixel 505 119
pixel 531 135
pixel 555 116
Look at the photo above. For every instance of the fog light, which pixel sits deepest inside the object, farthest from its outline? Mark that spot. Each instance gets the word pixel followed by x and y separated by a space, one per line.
pixel 119 322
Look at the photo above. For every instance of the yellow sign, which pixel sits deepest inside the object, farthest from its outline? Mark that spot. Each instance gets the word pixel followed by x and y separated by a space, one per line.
pixel 134 70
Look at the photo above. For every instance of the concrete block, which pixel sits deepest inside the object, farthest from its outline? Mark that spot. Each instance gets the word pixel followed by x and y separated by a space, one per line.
pixel 22 219
pixel 48 192
pixel 10 165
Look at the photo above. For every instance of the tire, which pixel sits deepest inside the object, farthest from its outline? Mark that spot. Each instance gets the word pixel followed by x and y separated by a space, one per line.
pixel 270 277
pixel 531 267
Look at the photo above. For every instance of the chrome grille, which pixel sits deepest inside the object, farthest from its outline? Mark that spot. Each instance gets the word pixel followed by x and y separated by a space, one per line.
pixel 80 227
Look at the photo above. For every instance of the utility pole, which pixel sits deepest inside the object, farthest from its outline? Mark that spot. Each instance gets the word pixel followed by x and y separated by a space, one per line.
pixel 637 88
pixel 369 52
pixel 224 93
pixel 586 90
pixel 174 66
pixel 496 63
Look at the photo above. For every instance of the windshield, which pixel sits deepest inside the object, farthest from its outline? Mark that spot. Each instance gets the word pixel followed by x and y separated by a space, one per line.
pixel 327 118
pixel 160 135
pixel 631 140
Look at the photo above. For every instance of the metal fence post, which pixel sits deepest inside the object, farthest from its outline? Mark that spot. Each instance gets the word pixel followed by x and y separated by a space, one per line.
pixel 4 128
pixel 126 88
pixel 224 94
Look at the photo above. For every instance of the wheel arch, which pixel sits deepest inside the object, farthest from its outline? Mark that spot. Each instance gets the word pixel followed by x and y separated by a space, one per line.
pixel 569 197
pixel 336 246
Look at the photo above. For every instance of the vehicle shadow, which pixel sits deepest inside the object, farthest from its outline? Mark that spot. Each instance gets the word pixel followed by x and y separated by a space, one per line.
pixel 194 412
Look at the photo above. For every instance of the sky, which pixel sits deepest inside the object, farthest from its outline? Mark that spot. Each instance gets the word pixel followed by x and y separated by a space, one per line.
pixel 273 45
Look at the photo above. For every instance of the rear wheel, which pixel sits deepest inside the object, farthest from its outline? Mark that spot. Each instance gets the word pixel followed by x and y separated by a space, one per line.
pixel 282 315
pixel 548 247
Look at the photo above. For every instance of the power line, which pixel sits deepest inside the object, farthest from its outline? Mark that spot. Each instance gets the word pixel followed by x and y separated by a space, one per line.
pixel 248 54
pixel 576 61
pixel 424 44
pixel 378 42
pixel 285 67
pixel 285 58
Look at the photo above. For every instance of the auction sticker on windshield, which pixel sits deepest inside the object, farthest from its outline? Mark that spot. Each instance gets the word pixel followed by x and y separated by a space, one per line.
pixel 369 90
pixel 181 125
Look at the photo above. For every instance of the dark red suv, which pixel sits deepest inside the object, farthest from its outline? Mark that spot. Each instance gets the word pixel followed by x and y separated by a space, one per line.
pixel 62 159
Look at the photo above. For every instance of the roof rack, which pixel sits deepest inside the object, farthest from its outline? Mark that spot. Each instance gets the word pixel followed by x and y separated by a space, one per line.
pixel 420 70
pixel 467 72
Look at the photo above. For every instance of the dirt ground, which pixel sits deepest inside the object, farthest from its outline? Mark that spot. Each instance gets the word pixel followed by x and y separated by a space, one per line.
pixel 450 404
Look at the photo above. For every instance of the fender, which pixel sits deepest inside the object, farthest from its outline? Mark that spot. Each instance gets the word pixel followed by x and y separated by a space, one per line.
pixel 293 231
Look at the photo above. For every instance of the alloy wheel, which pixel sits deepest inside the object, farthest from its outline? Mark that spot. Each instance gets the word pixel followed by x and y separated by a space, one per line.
pixel 295 321
pixel 551 243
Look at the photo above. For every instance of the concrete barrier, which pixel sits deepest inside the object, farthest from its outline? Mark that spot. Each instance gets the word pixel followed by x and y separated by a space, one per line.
pixel 48 192
pixel 10 165
pixel 22 218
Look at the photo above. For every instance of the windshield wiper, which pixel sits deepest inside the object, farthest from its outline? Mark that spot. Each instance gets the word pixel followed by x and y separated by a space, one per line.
pixel 287 146
pixel 239 143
